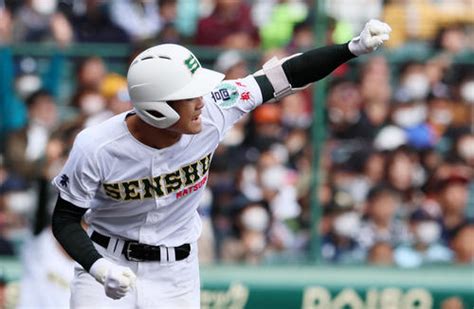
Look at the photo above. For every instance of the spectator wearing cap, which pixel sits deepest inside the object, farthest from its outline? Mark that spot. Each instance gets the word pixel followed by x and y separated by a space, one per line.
pixel 340 243
pixel 250 242
pixel 232 64
pixel 452 197
pixel 425 247
pixel 114 90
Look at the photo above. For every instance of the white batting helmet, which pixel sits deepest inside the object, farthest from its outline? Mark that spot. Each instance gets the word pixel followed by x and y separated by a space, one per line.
pixel 163 73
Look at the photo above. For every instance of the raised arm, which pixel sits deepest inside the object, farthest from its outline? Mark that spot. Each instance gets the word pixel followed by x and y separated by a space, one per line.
pixel 279 78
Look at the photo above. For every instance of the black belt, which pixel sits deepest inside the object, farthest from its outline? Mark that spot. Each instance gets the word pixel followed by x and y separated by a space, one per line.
pixel 137 252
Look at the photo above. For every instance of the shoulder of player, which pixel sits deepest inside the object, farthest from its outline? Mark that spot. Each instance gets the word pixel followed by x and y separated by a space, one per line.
pixel 92 138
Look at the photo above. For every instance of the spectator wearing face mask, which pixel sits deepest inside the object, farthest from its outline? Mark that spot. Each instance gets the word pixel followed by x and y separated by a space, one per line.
pixel 251 240
pixel 426 246
pixel 340 243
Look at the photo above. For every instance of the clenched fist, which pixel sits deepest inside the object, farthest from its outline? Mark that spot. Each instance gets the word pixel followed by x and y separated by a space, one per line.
pixel 117 280
pixel 372 37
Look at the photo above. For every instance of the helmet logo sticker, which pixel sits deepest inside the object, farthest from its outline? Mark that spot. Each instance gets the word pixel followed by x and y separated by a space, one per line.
pixel 192 63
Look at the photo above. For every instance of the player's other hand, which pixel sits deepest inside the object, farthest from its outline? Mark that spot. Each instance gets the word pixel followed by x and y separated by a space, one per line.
pixel 372 37
pixel 117 280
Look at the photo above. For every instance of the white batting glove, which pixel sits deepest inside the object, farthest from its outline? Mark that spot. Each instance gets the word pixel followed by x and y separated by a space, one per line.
pixel 117 280
pixel 372 37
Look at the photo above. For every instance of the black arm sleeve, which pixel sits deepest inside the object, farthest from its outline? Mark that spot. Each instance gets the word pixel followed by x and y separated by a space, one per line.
pixel 68 231
pixel 308 67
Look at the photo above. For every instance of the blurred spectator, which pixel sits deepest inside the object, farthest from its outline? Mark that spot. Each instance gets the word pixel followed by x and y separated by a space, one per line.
pixel 425 246
pixel 462 244
pixel 381 223
pixel 26 147
pixel 169 32
pixel 380 254
pixel 452 303
pixel 340 244
pixel 302 38
pixel 38 21
pixel 452 196
pixel 138 18
pixel 206 242
pixel 419 20
pixel 115 92
pixel 90 73
pixel 344 110
pixel 251 241
pixel 465 148
pixel 91 23
pixel 278 30
pixel 6 26
pixel 414 84
pixel 232 64
pixel 47 273
pixel 3 288
pixel 404 175
pixel 229 26
pixel 295 111
pixel 451 39
pixel 91 108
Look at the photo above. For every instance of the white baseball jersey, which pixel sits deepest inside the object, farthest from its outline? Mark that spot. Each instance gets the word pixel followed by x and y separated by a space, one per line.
pixel 150 195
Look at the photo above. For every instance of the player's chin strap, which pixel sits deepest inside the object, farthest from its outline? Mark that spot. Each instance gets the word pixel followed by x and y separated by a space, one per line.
pixel 273 69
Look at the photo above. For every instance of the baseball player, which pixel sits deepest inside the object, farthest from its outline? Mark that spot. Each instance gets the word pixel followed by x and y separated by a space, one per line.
pixel 137 178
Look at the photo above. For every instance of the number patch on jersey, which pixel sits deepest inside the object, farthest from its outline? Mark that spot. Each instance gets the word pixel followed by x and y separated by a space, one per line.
pixel 226 95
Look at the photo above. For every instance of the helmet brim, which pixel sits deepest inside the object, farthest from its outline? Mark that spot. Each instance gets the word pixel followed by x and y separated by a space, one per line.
pixel 203 82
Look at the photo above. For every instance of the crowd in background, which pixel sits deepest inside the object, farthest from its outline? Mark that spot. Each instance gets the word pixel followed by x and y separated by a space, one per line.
pixel 397 159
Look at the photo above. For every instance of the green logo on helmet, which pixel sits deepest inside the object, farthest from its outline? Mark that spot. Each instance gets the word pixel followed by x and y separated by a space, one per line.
pixel 192 63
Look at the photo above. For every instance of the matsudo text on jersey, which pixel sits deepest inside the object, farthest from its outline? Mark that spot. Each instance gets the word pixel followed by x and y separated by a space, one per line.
pixel 150 195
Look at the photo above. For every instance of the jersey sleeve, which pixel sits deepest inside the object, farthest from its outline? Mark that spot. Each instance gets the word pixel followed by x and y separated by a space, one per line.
pixel 230 100
pixel 79 179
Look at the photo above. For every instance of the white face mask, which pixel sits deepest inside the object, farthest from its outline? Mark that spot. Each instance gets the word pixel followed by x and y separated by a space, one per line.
pixel 466 148
pixel 92 105
pixel 27 84
pixel 467 92
pixel 255 219
pixel 347 224
pixel 21 202
pixel 409 117
pixel 44 7
pixel 427 232
pixel 417 86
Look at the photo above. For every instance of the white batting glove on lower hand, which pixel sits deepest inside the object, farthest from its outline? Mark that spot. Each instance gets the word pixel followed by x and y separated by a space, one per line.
pixel 117 280
pixel 372 37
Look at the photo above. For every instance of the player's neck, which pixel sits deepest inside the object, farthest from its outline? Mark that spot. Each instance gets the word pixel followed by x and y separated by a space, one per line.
pixel 149 135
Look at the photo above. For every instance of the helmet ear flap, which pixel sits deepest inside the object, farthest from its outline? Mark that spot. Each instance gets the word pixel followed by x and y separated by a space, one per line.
pixel 157 114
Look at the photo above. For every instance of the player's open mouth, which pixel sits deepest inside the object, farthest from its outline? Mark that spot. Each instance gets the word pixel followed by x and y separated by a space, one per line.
pixel 196 118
